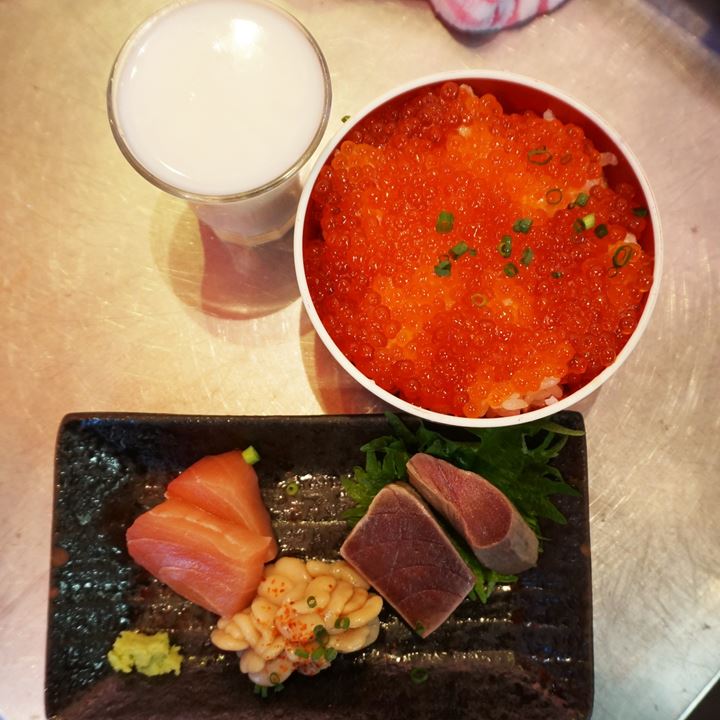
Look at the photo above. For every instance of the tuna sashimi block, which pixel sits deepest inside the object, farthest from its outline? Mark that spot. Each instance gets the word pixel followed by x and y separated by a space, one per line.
pixel 209 561
pixel 483 515
pixel 402 551
pixel 226 486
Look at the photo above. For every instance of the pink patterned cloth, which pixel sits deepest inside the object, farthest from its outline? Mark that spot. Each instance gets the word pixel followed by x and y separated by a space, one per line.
pixel 490 15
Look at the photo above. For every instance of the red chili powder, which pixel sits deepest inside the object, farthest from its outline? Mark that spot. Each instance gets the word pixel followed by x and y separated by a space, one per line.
pixel 474 262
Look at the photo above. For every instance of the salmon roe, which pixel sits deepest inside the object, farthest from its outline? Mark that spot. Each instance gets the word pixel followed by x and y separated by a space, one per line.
pixel 474 262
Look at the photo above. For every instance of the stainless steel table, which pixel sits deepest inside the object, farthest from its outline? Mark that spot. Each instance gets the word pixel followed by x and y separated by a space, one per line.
pixel 111 301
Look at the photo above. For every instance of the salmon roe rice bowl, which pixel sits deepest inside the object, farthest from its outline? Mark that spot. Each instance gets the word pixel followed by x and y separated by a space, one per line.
pixel 474 262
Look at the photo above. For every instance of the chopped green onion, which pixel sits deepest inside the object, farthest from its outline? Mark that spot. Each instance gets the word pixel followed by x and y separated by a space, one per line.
pixel 582 199
pixel 419 628
pixel 556 274
pixel 566 158
pixel 312 601
pixel 601 230
pixel 443 268
pixel 510 270
pixel 505 247
pixel 588 221
pixel 445 222
pixel 301 653
pixel 527 256
pixel 640 212
pixel 554 196
pixel 292 488
pixel 523 225
pixel 621 257
pixel 279 687
pixel 343 623
pixel 250 455
pixel 584 223
pixel 317 654
pixel 320 633
pixel 261 690
pixel 419 675
pixel 344 118
pixel 478 300
pixel 539 156
pixel 330 654
pixel 472 252
pixel 460 249
pixel 274 678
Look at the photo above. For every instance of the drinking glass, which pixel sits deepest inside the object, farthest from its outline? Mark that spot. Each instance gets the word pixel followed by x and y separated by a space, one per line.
pixel 222 102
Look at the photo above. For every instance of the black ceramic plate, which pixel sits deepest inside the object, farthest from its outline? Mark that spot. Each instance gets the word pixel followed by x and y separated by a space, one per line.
pixel 526 654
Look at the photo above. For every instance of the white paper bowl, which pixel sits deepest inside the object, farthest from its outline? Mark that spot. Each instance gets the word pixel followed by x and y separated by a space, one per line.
pixel 515 93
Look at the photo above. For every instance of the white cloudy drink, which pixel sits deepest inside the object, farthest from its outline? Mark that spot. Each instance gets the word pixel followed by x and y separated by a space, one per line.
pixel 222 102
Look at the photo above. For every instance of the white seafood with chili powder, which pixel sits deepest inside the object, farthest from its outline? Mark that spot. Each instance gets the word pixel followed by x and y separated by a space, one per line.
pixel 303 615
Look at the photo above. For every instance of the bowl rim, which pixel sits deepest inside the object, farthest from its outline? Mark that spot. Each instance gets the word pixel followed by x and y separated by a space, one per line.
pixel 565 402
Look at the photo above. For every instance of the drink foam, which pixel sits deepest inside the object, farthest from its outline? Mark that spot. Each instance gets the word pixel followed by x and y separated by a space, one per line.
pixel 219 97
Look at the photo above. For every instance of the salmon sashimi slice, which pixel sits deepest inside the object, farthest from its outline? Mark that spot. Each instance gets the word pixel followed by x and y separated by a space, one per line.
pixel 208 560
pixel 481 513
pixel 226 486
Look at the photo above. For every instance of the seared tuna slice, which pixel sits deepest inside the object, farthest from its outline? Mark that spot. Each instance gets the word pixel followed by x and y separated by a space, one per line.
pixel 400 549
pixel 483 515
